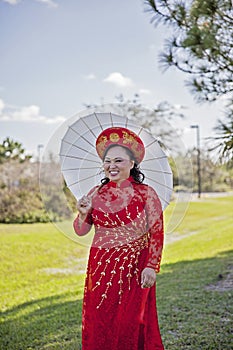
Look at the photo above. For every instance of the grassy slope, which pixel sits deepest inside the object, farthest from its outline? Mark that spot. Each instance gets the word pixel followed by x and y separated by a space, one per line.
pixel 191 316
pixel 41 281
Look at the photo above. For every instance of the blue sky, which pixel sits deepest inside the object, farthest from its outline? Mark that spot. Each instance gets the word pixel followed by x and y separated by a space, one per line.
pixel 56 55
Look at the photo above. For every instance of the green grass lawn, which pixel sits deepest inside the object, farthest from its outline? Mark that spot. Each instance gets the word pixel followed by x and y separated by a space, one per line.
pixel 42 275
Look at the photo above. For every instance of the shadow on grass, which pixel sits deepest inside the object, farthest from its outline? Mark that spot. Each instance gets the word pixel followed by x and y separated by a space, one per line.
pixel 191 316
pixel 49 323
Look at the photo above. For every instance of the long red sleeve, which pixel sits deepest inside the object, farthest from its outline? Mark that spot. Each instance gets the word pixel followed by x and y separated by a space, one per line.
pixel 155 226
pixel 82 227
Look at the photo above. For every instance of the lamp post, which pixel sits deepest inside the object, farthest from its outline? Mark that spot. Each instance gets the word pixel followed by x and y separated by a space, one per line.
pixel 198 158
pixel 39 147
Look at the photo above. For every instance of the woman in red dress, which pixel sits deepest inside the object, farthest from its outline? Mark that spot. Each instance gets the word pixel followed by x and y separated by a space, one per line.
pixel 119 305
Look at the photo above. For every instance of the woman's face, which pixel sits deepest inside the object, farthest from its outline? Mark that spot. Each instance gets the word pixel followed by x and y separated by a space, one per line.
pixel 117 164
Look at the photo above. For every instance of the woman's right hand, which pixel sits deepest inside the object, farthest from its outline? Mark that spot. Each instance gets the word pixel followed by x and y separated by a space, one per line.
pixel 84 205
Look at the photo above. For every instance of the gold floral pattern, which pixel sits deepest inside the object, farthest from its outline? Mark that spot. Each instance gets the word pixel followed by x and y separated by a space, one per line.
pixel 114 137
pixel 101 144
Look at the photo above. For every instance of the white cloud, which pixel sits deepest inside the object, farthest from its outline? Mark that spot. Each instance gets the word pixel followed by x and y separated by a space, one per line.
pixel 144 92
pixel 12 2
pixel 119 80
pixel 26 114
pixel 177 106
pixel 49 3
pixel 90 76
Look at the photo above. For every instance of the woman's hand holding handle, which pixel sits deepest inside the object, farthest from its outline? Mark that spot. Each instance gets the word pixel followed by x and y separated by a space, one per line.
pixel 84 206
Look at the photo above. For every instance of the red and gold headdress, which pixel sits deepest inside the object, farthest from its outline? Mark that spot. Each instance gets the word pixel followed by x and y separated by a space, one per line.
pixel 122 137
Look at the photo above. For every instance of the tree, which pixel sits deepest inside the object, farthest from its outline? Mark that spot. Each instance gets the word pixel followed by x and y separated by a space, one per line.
pixel 156 119
pixel 223 142
pixel 201 43
pixel 10 149
pixel 20 195
pixel 215 177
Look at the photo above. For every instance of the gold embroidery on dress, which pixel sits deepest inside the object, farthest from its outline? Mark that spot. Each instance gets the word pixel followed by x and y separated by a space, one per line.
pixel 124 241
pixel 120 239
pixel 131 253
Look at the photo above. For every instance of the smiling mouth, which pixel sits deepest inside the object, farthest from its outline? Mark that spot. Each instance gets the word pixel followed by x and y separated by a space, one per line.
pixel 113 173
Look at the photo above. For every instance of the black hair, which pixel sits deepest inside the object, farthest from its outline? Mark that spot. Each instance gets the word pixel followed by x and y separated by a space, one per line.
pixel 135 172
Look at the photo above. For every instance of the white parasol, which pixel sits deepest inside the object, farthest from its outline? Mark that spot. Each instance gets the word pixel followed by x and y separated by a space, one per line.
pixel 82 168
